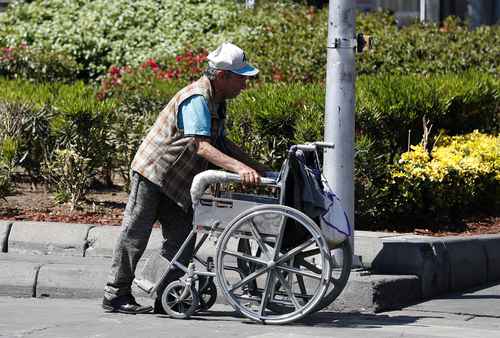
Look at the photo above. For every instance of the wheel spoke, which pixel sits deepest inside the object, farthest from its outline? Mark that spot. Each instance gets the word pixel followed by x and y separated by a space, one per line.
pixel 279 240
pixel 302 285
pixel 309 265
pixel 314 268
pixel 309 253
pixel 299 272
pixel 265 295
pixel 286 286
pixel 259 239
pixel 295 251
pixel 248 278
pixel 245 257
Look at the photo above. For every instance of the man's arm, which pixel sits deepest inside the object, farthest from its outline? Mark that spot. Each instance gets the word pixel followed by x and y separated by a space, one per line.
pixel 247 174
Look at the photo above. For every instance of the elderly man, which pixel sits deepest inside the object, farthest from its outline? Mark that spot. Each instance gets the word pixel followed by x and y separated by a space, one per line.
pixel 188 134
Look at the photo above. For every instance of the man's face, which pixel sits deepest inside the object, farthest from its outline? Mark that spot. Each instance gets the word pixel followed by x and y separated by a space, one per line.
pixel 233 84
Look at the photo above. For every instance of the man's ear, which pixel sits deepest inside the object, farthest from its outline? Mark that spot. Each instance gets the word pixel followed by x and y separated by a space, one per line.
pixel 220 74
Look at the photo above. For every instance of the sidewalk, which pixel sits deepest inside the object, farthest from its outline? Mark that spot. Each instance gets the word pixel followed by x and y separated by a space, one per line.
pixel 72 261
pixel 474 314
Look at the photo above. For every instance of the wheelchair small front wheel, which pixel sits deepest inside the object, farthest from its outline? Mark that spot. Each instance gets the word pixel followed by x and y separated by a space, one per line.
pixel 179 300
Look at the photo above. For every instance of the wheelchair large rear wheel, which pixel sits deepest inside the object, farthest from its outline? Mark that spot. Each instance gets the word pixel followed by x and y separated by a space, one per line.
pixel 275 281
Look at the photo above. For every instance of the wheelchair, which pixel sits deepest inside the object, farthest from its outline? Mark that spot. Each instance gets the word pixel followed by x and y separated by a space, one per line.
pixel 274 261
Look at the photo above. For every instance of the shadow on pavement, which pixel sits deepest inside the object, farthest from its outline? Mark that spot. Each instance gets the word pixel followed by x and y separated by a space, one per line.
pixel 321 319
pixel 356 320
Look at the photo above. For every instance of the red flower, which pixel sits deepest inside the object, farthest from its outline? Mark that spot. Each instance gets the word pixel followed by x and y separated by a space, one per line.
pixel 278 76
pixel 114 71
pixel 169 74
pixel 200 58
pixel 152 63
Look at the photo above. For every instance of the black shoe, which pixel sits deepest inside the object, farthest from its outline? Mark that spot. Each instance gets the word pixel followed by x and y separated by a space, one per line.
pixel 125 304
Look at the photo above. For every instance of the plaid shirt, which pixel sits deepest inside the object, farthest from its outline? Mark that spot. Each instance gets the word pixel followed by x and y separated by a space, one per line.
pixel 166 157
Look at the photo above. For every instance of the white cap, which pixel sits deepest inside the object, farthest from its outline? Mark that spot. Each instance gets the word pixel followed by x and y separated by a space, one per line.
pixel 231 57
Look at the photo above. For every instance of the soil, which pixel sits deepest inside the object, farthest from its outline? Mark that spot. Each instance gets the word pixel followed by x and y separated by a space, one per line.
pixel 106 206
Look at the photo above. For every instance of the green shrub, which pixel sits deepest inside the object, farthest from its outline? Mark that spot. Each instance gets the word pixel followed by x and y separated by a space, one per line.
pixel 266 120
pixel 8 160
pixel 390 107
pixel 461 175
pixel 139 95
pixel 69 172
pixel 387 108
pixel 431 49
pixel 372 194
pixel 286 41
pixel 128 33
pixel 81 125
pixel 52 120
pixel 37 65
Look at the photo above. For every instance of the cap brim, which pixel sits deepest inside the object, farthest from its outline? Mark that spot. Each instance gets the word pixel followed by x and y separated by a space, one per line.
pixel 246 71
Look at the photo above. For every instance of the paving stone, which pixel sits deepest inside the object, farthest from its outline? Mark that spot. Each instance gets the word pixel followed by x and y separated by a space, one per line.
pixel 80 278
pixel 17 280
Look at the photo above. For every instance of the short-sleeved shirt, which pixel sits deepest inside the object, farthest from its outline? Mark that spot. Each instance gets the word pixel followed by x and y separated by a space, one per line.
pixel 194 117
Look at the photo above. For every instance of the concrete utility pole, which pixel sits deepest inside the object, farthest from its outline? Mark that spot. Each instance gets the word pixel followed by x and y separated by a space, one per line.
pixel 429 11
pixel 423 10
pixel 339 105
pixel 249 3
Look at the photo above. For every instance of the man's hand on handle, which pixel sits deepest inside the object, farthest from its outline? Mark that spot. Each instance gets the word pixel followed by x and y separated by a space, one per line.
pixel 248 175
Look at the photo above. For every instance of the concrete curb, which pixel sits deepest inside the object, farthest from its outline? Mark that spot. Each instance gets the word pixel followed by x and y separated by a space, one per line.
pixel 19 279
pixel 5 228
pixel 78 277
pixel 444 264
pixel 101 241
pixel 55 276
pixel 48 238
pixel 72 260
pixel 376 293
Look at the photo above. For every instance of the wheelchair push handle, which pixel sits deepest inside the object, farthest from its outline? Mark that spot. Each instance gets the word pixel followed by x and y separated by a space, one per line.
pixel 313 146
pixel 204 179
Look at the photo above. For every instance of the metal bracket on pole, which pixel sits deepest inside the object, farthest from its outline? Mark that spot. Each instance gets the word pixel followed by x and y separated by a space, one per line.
pixel 361 42
pixel 344 43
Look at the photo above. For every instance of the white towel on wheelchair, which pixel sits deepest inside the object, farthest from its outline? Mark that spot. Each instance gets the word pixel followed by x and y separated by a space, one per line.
pixel 335 224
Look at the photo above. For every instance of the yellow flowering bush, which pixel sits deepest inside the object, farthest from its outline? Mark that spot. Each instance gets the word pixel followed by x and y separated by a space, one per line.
pixel 459 176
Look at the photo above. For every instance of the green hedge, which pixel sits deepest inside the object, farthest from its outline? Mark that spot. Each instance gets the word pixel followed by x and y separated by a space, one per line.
pixel 38 65
pixel 45 119
pixel 286 41
pixel 265 119
pixel 387 107
pixel 128 33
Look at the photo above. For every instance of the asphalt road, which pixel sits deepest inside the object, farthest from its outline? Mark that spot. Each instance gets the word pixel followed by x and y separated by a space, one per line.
pixel 472 314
